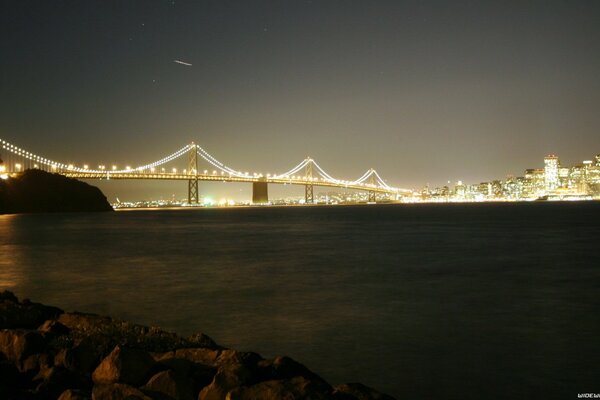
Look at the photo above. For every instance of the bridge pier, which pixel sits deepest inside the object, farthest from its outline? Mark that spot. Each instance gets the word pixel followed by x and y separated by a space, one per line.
pixel 193 191
pixel 372 197
pixel 193 197
pixel 260 192
pixel 309 197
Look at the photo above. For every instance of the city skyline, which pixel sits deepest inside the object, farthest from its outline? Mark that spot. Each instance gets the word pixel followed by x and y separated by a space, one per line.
pixel 409 88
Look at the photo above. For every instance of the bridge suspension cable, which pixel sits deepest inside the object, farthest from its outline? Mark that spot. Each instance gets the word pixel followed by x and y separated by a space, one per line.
pixel 376 181
pixel 293 170
pixel 216 163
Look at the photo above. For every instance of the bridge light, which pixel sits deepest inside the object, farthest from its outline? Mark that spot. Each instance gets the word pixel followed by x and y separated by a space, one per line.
pixel 152 169
pixel 85 166
pixel 35 166
pixel 70 166
pixel 128 168
pixel 54 167
pixel 205 172
pixel 114 167
pixel 2 168
pixel 174 170
pixel 163 170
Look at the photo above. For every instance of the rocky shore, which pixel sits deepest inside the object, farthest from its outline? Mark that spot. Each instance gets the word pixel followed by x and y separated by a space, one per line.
pixel 46 353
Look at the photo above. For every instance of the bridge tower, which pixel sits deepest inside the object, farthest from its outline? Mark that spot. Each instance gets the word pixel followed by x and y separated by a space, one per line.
pixel 372 193
pixel 308 189
pixel 193 197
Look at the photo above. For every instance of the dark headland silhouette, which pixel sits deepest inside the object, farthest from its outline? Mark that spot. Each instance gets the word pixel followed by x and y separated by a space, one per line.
pixel 36 191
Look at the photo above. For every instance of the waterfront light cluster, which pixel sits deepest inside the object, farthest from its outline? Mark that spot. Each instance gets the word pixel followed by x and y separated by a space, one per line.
pixel 552 182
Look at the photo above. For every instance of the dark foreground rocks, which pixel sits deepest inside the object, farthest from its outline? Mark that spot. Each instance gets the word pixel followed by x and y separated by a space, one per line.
pixel 46 353
pixel 39 191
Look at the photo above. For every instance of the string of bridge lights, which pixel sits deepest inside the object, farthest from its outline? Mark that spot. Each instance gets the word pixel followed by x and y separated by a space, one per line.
pixel 371 174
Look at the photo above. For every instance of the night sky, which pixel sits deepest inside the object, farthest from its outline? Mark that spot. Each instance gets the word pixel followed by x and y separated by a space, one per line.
pixel 424 91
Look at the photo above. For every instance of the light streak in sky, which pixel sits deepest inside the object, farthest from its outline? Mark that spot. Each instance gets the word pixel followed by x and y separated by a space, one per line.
pixel 182 63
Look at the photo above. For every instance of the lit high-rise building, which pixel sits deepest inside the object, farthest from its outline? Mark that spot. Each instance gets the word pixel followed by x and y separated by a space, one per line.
pixel 551 179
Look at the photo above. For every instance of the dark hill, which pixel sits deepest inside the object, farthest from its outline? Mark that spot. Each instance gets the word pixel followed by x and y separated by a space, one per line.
pixel 39 191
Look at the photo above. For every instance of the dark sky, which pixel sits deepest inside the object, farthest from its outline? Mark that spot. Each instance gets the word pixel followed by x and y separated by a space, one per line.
pixel 424 91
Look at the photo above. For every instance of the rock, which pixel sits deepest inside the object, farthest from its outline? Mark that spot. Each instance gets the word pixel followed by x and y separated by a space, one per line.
pixel 118 391
pixel 55 380
pixel 235 369
pixel 228 377
pixel 69 352
pixel 24 315
pixel 83 357
pixel 200 375
pixel 34 363
pixel 124 365
pixel 202 340
pixel 16 345
pixel 171 384
pixel 73 394
pixel 203 356
pixel 83 322
pixel 298 388
pixel 53 328
pixel 359 391
pixel 281 368
pixel 234 357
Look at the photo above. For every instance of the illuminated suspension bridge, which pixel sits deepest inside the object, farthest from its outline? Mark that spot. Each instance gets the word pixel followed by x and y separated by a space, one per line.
pixel 307 173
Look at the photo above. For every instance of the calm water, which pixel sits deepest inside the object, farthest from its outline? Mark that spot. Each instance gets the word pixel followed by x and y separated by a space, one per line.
pixel 447 301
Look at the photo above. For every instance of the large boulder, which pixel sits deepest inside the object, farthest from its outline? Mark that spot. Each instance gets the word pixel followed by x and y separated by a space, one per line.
pixel 124 365
pixel 235 369
pixel 83 356
pixel 171 384
pixel 55 380
pixel 53 328
pixel 199 374
pixel 281 368
pixel 74 394
pixel 202 340
pixel 83 322
pixel 118 391
pixel 17 344
pixel 34 363
pixel 204 356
